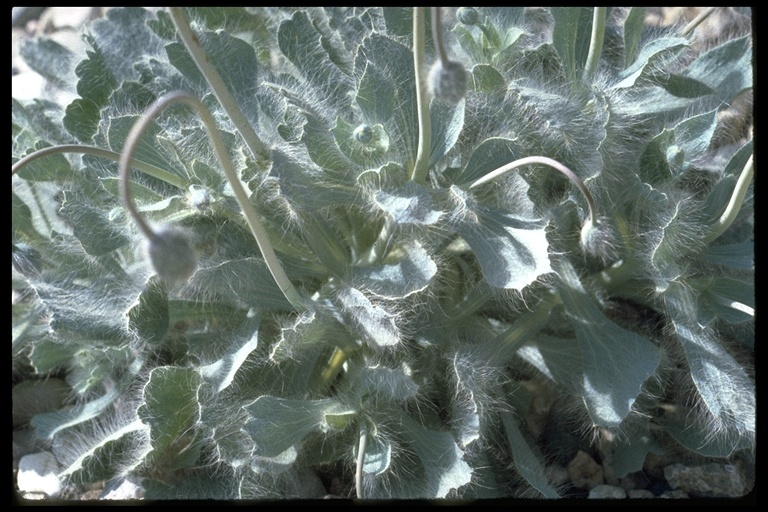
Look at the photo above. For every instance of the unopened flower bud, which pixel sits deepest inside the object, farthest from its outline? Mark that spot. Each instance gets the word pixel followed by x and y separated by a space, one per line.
pixel 172 255
pixel 467 15
pixel 600 241
pixel 363 134
pixel 448 83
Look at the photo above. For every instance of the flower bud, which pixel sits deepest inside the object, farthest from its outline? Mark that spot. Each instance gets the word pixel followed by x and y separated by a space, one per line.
pixel 448 83
pixel 172 255
pixel 467 15
pixel 363 134
pixel 600 241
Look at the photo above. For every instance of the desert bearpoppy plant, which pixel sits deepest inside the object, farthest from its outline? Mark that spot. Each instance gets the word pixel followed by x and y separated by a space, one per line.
pixel 267 248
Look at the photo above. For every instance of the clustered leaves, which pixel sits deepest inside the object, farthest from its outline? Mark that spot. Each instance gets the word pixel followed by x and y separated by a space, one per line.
pixel 431 310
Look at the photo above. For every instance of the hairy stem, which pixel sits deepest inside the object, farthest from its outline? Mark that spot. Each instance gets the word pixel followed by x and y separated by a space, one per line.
pixel 421 166
pixel 227 101
pixel 697 21
pixel 734 205
pixel 437 36
pixel 257 229
pixel 144 167
pixel 361 460
pixel 551 163
pixel 595 42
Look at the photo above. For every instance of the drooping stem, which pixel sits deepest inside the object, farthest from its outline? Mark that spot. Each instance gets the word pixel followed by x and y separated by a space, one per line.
pixel 437 36
pixel 421 166
pixel 734 205
pixel 361 459
pixel 595 42
pixel 144 167
pixel 257 229
pixel 551 163
pixel 697 21
pixel 219 88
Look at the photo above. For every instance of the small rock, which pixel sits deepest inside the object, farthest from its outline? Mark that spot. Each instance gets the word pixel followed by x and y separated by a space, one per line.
pixel 709 480
pixel 124 489
pixel 37 475
pixel 674 495
pixel 640 494
pixel 584 472
pixel 611 492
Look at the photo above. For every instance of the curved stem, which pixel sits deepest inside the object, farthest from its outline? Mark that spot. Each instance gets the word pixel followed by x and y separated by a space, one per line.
pixel 361 460
pixel 734 205
pixel 697 21
pixel 551 163
pixel 220 90
pixel 144 167
pixel 257 229
pixel 595 42
pixel 421 166
pixel 437 36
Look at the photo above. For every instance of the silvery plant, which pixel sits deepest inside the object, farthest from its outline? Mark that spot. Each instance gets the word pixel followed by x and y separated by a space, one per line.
pixel 412 252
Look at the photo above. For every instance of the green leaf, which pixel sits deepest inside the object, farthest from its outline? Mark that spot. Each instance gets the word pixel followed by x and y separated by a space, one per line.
pixel 720 196
pixel 92 226
pixel 49 59
pixel 486 79
pixel 375 96
pixel 631 449
pixel 171 410
pixel 527 462
pixel 447 123
pixel 377 325
pixel 726 391
pixel 108 455
pixel 394 61
pixel 683 87
pixel 730 299
pixel 741 255
pixel 491 154
pixel 245 281
pixel 378 455
pixel 510 248
pixel 616 362
pixel 411 272
pixel 279 424
pixel 410 205
pixel 653 53
pixel 49 424
pixel 570 37
pixel 399 20
pixel 221 373
pixel 442 459
pixel 633 29
pixel 149 317
pixel 301 43
pixel 726 69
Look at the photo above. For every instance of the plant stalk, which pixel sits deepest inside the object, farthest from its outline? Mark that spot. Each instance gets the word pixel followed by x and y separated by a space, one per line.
pixel 734 205
pixel 257 229
pixel 595 42
pixel 220 90
pixel 421 166
pixel 144 167
pixel 551 163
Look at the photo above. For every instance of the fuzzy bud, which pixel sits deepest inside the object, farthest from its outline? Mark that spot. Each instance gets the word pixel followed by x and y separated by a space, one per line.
pixel 172 255
pixel 363 134
pixel 600 241
pixel 467 15
pixel 448 83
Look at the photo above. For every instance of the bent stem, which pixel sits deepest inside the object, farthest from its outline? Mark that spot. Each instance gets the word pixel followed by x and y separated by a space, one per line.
pixel 734 205
pixel 421 166
pixel 361 459
pixel 551 163
pixel 220 90
pixel 155 172
pixel 697 21
pixel 257 229
pixel 595 42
